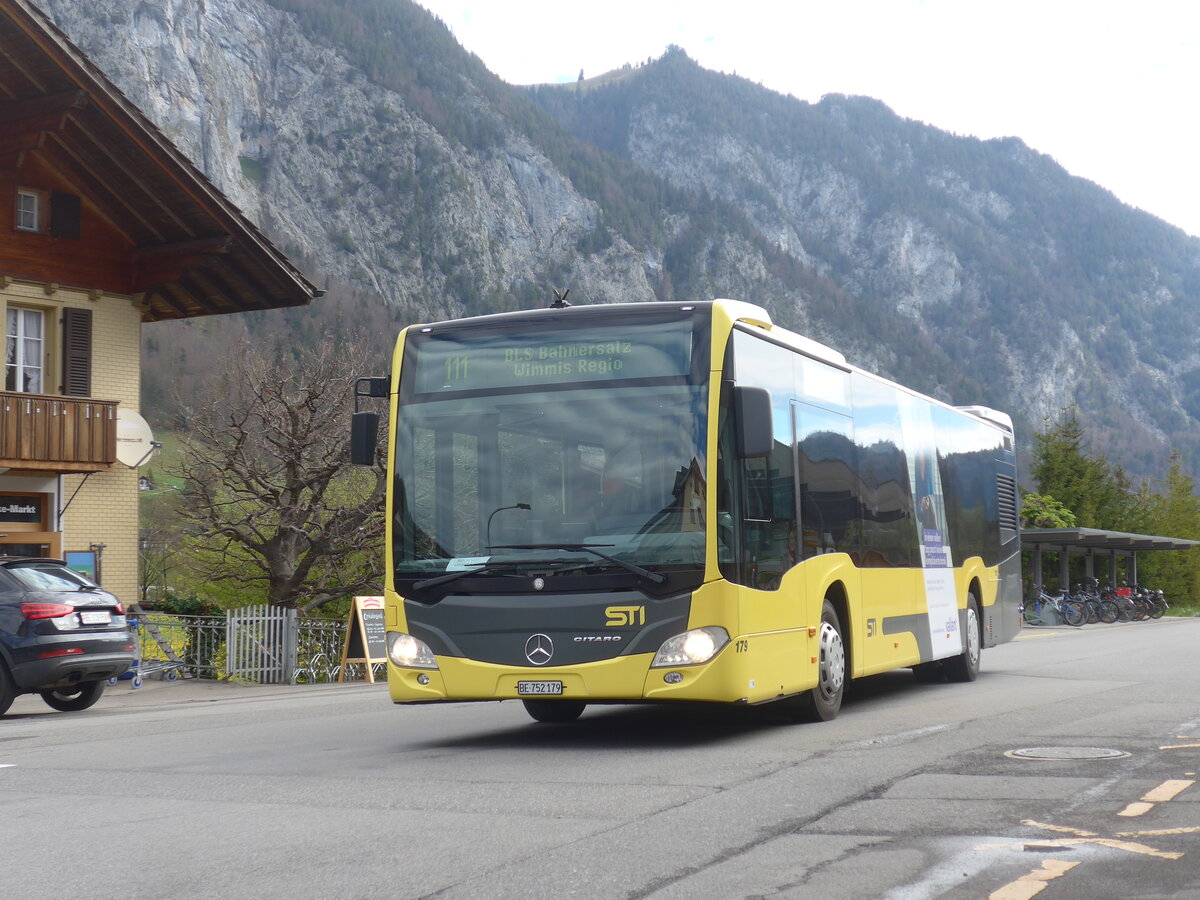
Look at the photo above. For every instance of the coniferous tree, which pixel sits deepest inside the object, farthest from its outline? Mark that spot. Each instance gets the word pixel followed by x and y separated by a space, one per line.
pixel 1174 513
pixel 1099 496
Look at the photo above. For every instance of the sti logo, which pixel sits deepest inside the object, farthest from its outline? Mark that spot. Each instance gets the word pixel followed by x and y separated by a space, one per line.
pixel 619 616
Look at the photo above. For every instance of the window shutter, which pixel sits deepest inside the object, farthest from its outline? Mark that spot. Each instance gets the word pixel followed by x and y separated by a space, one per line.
pixel 77 352
pixel 64 215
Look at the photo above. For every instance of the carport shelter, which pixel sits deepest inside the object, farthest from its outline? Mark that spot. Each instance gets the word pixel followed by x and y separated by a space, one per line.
pixel 1091 543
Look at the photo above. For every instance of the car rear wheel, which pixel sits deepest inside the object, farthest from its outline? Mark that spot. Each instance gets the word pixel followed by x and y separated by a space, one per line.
pixel 74 698
pixel 554 710
pixel 7 690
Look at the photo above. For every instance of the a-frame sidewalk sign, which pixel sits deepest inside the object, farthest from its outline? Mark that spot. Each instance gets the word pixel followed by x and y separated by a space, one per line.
pixel 366 636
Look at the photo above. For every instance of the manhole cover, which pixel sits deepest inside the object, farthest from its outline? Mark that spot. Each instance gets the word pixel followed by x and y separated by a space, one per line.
pixel 1066 753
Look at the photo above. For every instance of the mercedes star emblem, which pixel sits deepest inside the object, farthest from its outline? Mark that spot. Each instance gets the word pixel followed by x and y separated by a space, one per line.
pixel 539 583
pixel 538 649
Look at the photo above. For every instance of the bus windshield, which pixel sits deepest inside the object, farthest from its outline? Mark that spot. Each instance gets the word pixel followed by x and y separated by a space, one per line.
pixel 587 474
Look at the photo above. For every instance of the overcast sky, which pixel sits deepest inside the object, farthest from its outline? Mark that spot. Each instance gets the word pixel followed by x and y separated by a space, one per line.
pixel 1111 90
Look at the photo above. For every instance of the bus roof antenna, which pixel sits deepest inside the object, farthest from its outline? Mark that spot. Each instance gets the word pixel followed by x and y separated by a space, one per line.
pixel 560 299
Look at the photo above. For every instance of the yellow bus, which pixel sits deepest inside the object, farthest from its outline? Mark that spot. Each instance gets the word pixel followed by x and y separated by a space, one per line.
pixel 666 502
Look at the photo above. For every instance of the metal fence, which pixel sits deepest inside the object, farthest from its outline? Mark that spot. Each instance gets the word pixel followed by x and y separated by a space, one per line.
pixel 261 644
pixel 319 651
pixel 256 645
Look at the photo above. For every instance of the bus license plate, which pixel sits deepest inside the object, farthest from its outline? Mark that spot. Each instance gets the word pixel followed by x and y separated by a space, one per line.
pixel 539 687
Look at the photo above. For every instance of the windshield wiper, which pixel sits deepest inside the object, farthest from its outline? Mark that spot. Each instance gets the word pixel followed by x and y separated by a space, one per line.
pixel 655 577
pixel 481 567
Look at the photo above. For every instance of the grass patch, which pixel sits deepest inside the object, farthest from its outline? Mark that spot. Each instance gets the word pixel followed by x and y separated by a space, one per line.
pixel 163 463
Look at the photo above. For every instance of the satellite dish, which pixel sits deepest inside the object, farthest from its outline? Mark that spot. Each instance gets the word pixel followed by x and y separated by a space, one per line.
pixel 135 441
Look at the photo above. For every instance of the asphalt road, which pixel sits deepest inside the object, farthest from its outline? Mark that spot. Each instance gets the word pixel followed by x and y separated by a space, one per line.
pixel 189 789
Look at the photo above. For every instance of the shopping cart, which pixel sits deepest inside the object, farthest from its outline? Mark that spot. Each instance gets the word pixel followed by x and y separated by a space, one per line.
pixel 170 668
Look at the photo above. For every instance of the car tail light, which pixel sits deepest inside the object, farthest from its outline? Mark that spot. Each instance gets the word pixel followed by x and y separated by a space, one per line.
pixel 119 610
pixel 69 651
pixel 33 611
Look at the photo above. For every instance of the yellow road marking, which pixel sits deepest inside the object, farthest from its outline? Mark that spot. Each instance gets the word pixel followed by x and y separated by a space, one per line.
pixel 1191 829
pixel 1181 747
pixel 1062 828
pixel 1035 882
pixel 1131 847
pixel 1168 790
pixel 1165 792
pixel 1136 809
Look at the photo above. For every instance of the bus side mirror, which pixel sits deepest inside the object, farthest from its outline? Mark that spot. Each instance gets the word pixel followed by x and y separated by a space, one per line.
pixel 364 434
pixel 364 426
pixel 752 411
pixel 371 386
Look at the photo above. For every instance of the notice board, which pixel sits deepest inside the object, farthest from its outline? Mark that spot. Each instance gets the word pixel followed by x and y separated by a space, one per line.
pixel 366 636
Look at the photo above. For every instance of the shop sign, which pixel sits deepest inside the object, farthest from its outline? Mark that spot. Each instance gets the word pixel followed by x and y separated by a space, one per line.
pixel 25 510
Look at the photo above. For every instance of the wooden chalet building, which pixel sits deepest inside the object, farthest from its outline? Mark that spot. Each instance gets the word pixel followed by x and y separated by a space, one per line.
pixel 106 227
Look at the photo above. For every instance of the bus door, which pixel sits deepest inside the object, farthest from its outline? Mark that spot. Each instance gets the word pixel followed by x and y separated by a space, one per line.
pixel 829 498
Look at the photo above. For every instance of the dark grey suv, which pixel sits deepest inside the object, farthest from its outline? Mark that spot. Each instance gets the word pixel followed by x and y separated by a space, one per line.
pixel 61 635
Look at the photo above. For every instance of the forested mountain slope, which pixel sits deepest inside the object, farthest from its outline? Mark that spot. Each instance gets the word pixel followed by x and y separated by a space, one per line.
pixel 416 185
pixel 1039 283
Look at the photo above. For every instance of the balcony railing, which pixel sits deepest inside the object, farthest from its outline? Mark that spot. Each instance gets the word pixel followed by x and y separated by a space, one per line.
pixel 59 434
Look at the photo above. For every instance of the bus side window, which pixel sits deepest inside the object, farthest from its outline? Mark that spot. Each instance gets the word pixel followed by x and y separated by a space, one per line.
pixel 829 488
pixel 758 504
pixel 769 520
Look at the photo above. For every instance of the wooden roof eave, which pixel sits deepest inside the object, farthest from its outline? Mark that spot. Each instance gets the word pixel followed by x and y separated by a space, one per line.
pixel 168 262
pixel 142 133
pixel 163 303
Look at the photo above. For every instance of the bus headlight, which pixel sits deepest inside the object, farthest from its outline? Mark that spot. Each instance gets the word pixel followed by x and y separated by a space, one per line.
pixel 691 648
pixel 406 651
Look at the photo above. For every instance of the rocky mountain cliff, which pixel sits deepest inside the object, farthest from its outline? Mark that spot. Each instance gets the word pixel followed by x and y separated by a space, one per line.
pixel 395 169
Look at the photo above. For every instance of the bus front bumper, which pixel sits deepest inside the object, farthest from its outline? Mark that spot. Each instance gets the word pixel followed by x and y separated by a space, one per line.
pixel 626 679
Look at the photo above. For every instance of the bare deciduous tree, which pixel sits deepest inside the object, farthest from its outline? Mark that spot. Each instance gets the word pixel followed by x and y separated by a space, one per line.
pixel 271 498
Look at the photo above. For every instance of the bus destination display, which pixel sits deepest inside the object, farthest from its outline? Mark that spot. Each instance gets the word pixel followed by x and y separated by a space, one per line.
pixel 461 362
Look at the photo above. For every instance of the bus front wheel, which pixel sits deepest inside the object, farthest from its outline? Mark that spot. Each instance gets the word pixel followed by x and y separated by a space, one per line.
pixel 823 702
pixel 554 710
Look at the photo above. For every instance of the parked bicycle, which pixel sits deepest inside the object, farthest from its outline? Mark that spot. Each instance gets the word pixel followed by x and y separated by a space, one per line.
pixel 1145 603
pixel 1089 602
pixel 1044 605
pixel 1099 605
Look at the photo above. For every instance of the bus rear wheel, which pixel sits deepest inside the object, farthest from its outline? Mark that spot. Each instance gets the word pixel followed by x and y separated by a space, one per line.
pixel 965 666
pixel 554 710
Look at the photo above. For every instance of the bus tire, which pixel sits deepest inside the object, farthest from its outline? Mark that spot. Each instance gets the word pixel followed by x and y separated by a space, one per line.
pixel 965 666
pixel 554 710
pixel 929 673
pixel 822 703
